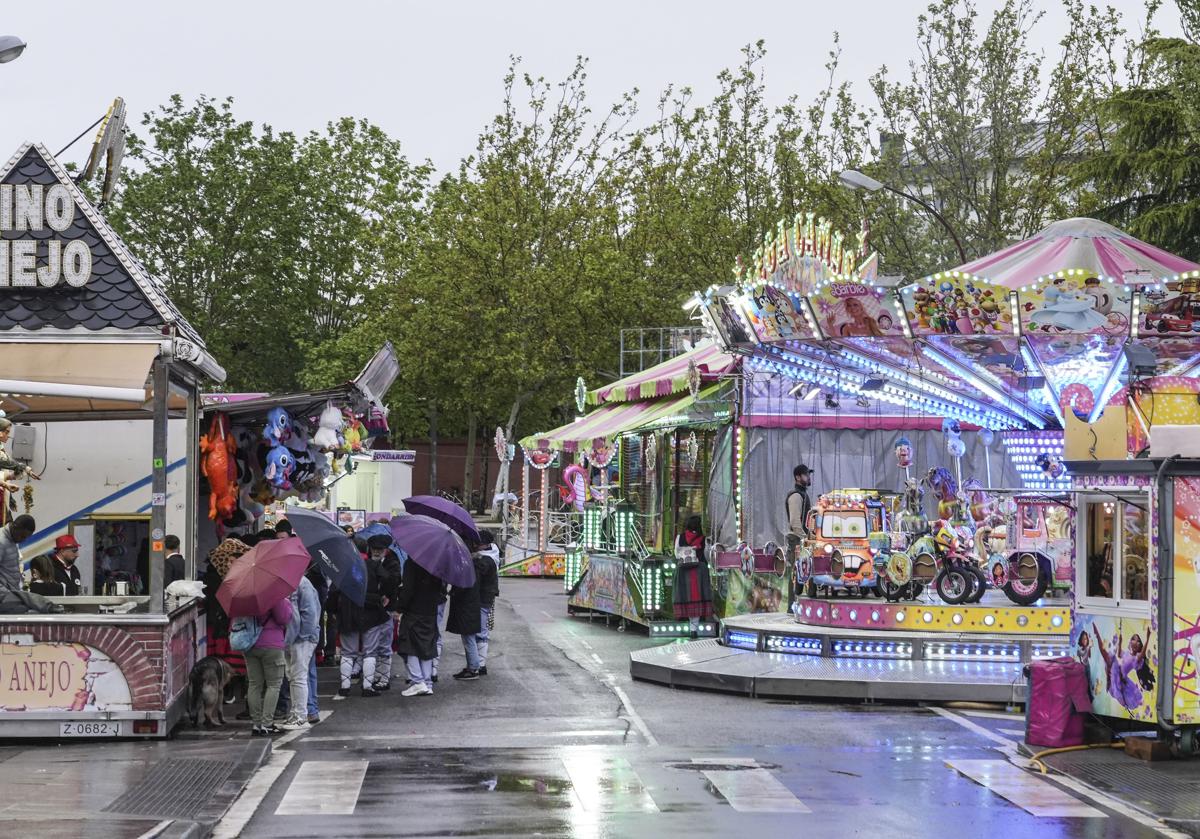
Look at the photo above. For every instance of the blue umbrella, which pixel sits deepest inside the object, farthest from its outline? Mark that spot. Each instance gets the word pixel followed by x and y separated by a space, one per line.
pixel 436 548
pixel 379 529
pixel 334 554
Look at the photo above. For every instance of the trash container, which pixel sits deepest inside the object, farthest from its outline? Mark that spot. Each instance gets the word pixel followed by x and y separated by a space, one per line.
pixel 1057 704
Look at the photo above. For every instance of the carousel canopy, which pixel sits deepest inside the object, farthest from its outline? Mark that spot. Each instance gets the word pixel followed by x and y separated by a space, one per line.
pixel 1011 340
pixel 671 376
pixel 610 421
pixel 1084 244
pixel 81 319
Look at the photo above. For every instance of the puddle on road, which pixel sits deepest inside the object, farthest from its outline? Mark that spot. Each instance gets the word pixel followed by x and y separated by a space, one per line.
pixel 504 782
pixel 717 766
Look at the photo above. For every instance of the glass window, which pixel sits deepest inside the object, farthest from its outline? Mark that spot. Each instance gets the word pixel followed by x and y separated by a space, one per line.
pixel 1101 527
pixel 1135 553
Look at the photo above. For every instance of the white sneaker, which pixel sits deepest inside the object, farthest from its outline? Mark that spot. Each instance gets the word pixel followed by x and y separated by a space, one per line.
pixel 418 689
pixel 293 724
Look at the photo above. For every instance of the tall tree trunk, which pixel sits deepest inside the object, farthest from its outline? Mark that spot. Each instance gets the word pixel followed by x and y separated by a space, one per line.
pixel 469 465
pixel 483 499
pixel 433 452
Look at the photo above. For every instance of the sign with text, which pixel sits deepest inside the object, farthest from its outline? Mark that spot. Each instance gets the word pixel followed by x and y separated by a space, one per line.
pixel 47 676
pixel 33 254
pixel 393 456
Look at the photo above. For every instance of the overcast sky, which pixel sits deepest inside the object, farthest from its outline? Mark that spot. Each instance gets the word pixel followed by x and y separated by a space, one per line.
pixel 429 74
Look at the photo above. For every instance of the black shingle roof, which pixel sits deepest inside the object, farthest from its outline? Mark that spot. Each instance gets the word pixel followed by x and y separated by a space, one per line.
pixel 121 293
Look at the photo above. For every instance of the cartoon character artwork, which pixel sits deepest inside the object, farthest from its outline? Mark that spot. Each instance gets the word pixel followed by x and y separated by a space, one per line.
pixel 1127 673
pixel 353 432
pixel 278 429
pixel 773 315
pixel 904 453
pixel 956 305
pixel 218 464
pixel 1068 311
pixel 1076 302
pixel 952 434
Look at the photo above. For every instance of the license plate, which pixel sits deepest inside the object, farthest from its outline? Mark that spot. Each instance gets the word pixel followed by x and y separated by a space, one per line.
pixel 90 729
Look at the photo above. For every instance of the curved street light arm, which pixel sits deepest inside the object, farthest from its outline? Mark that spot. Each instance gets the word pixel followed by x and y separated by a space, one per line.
pixel 962 254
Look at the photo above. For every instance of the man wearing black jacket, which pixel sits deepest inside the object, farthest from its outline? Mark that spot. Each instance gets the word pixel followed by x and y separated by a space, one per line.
pixel 420 595
pixel 466 605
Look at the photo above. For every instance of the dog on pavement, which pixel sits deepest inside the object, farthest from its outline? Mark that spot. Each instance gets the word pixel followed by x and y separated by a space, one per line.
pixel 209 679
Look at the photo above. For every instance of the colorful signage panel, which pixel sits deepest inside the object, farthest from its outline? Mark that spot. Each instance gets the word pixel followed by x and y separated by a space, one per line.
pixel 1121 663
pixel 852 309
pixel 1185 667
pixel 1078 303
pixel 775 315
pixel 949 305
pixel 1170 309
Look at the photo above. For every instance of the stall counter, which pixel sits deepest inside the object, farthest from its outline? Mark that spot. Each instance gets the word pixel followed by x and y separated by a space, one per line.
pixel 97 675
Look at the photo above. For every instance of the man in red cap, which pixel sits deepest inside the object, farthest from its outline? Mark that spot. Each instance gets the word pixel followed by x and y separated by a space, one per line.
pixel 66 551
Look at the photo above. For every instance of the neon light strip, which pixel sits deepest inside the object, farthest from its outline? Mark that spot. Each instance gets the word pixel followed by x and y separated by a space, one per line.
pixel 991 391
pixel 1108 389
pixel 1032 362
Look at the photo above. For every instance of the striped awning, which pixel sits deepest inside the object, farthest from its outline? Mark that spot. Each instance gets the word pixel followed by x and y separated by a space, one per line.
pixel 667 378
pixel 610 421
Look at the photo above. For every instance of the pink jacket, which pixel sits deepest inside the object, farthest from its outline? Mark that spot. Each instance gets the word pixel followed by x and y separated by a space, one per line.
pixel 274 625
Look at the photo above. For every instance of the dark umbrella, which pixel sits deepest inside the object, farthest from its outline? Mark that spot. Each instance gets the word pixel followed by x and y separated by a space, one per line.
pixel 447 512
pixel 261 577
pixel 333 553
pixel 436 548
pixel 377 529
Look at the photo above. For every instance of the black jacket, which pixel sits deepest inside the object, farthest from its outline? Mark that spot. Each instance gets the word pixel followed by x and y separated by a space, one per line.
pixel 420 592
pixel 217 620
pixel 487 577
pixel 380 585
pixel 68 576
pixel 464 618
pixel 173 569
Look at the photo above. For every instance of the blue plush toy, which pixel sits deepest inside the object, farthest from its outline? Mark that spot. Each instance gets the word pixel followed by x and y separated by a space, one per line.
pixel 280 465
pixel 278 428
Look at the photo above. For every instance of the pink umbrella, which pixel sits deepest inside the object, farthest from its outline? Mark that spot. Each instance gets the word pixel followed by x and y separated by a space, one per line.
pixel 1078 243
pixel 261 577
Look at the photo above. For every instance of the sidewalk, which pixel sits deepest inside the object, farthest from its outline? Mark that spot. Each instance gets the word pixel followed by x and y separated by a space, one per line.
pixel 165 789
pixel 1168 790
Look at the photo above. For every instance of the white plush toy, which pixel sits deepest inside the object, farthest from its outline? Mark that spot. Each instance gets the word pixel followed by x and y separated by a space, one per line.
pixel 326 437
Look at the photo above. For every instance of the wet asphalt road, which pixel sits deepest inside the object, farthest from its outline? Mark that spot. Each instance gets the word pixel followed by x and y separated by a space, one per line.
pixel 558 741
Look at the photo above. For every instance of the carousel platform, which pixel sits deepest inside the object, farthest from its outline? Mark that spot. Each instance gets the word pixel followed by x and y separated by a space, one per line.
pixel 903 652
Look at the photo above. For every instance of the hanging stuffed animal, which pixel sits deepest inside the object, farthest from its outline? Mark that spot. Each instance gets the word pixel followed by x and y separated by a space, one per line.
pixel 280 463
pixel 326 437
pixel 219 466
pixel 299 441
pixel 377 424
pixel 278 428
pixel 354 432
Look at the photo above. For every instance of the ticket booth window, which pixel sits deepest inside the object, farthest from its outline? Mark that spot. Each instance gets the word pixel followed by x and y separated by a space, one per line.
pixel 1113 559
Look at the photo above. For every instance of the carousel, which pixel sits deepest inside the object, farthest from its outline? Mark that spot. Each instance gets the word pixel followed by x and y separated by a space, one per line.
pixel 946 554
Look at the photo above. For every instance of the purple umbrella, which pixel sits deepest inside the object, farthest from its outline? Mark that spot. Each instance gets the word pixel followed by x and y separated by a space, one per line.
pixel 447 512
pixel 436 548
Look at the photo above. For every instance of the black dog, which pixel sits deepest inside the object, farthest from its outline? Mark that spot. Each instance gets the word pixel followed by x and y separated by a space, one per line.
pixel 209 678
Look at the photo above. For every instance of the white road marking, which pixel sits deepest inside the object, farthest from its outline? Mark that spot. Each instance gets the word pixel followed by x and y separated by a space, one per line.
pixel 279 742
pixel 238 816
pixel 1032 793
pixel 1015 732
pixel 1009 748
pixel 583 732
pixel 634 717
pixel 753 789
pixel 994 715
pixel 597 659
pixel 157 829
pixel 324 788
pixel 607 784
pixel 585 644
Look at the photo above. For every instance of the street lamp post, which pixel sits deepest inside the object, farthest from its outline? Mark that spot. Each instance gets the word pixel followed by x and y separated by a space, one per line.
pixel 11 48
pixel 853 179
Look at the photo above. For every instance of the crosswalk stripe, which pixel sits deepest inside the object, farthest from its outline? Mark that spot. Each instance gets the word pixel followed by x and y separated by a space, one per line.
pixel 324 787
pixel 607 784
pixel 753 789
pixel 1033 794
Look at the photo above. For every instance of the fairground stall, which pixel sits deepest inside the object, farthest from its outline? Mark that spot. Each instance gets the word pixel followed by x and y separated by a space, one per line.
pixel 652 452
pixel 87 334
pixel 966 557
pixel 259 451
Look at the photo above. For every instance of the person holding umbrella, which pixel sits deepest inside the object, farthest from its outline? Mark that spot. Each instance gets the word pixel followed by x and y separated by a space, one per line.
pixel 255 593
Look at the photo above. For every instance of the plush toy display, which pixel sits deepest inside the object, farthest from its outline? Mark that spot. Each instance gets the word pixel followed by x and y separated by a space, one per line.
pixel 354 433
pixel 377 424
pixel 278 428
pixel 278 468
pixel 326 437
pixel 218 449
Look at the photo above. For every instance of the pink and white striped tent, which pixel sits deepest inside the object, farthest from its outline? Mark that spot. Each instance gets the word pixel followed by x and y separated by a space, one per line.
pixel 671 376
pixel 1078 243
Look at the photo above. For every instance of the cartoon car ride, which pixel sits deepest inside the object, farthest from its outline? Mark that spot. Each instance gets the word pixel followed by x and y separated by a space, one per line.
pixel 847 532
